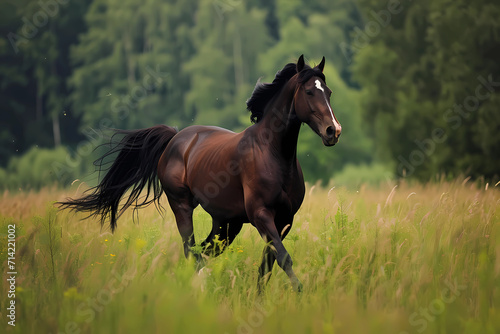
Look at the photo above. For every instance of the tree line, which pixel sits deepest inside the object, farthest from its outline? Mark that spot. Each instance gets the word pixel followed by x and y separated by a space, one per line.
pixel 404 75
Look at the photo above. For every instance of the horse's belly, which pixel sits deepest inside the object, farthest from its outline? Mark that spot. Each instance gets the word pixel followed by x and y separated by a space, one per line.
pixel 221 196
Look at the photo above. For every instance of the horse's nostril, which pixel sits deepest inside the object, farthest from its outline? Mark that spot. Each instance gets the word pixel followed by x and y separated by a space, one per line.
pixel 330 131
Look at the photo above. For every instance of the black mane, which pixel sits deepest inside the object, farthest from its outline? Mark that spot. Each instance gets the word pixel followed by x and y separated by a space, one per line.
pixel 263 93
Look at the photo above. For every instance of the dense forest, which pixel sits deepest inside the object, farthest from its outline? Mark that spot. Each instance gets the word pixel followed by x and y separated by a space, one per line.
pixel 415 83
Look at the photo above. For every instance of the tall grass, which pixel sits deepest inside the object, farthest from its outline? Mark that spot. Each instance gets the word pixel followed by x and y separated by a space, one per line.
pixel 405 259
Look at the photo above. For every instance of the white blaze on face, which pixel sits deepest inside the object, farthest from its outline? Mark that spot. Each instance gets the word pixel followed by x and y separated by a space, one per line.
pixel 318 86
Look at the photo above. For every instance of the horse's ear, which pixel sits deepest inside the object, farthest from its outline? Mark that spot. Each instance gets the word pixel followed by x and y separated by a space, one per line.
pixel 300 63
pixel 321 65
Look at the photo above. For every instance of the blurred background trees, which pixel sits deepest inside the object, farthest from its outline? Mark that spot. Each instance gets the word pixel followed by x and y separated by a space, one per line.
pixel 404 76
pixel 423 97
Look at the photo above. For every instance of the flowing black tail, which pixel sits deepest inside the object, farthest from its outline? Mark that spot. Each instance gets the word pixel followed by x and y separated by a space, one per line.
pixel 135 167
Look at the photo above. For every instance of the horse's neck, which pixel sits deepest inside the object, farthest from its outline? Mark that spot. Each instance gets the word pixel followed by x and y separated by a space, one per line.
pixel 281 124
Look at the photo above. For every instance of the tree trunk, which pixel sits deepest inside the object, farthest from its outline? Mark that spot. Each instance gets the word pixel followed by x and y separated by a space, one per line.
pixel 238 60
pixel 56 129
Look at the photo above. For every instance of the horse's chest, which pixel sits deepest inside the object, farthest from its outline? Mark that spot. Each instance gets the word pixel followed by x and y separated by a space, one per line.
pixel 292 197
pixel 293 191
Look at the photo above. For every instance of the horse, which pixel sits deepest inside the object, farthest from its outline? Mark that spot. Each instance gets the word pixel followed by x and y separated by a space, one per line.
pixel 248 177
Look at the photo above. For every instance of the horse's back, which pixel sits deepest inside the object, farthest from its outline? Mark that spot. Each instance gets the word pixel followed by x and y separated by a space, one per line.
pixel 205 129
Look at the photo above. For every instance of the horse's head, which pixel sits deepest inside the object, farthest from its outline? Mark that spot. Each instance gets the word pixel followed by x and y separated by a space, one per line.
pixel 312 102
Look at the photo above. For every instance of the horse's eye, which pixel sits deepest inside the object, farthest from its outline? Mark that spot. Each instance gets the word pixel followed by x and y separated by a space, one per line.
pixel 309 92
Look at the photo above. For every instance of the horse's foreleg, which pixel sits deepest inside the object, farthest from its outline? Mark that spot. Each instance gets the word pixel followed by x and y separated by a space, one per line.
pixel 269 257
pixel 263 219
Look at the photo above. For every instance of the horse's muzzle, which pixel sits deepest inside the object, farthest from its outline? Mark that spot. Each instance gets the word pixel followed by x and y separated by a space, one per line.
pixel 330 142
pixel 331 136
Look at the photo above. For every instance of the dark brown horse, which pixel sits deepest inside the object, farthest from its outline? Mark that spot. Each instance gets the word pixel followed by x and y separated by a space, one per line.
pixel 253 176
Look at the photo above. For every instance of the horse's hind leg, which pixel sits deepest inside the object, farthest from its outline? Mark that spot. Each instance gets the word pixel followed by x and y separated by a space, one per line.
pixel 183 210
pixel 222 235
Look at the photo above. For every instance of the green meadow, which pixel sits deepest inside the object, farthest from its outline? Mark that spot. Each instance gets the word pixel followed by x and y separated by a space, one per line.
pixel 405 258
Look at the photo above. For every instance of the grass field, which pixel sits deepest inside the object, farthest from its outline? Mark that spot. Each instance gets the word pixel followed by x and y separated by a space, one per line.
pixel 408 259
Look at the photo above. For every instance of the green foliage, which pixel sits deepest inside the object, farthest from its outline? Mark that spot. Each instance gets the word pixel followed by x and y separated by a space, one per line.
pixel 127 61
pixel 354 176
pixel 134 65
pixel 39 167
pixel 397 85
pixel 424 93
pixel 35 65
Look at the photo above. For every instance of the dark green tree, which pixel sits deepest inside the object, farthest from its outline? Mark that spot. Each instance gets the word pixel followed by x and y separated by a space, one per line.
pixel 34 68
pixel 424 67
pixel 128 66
